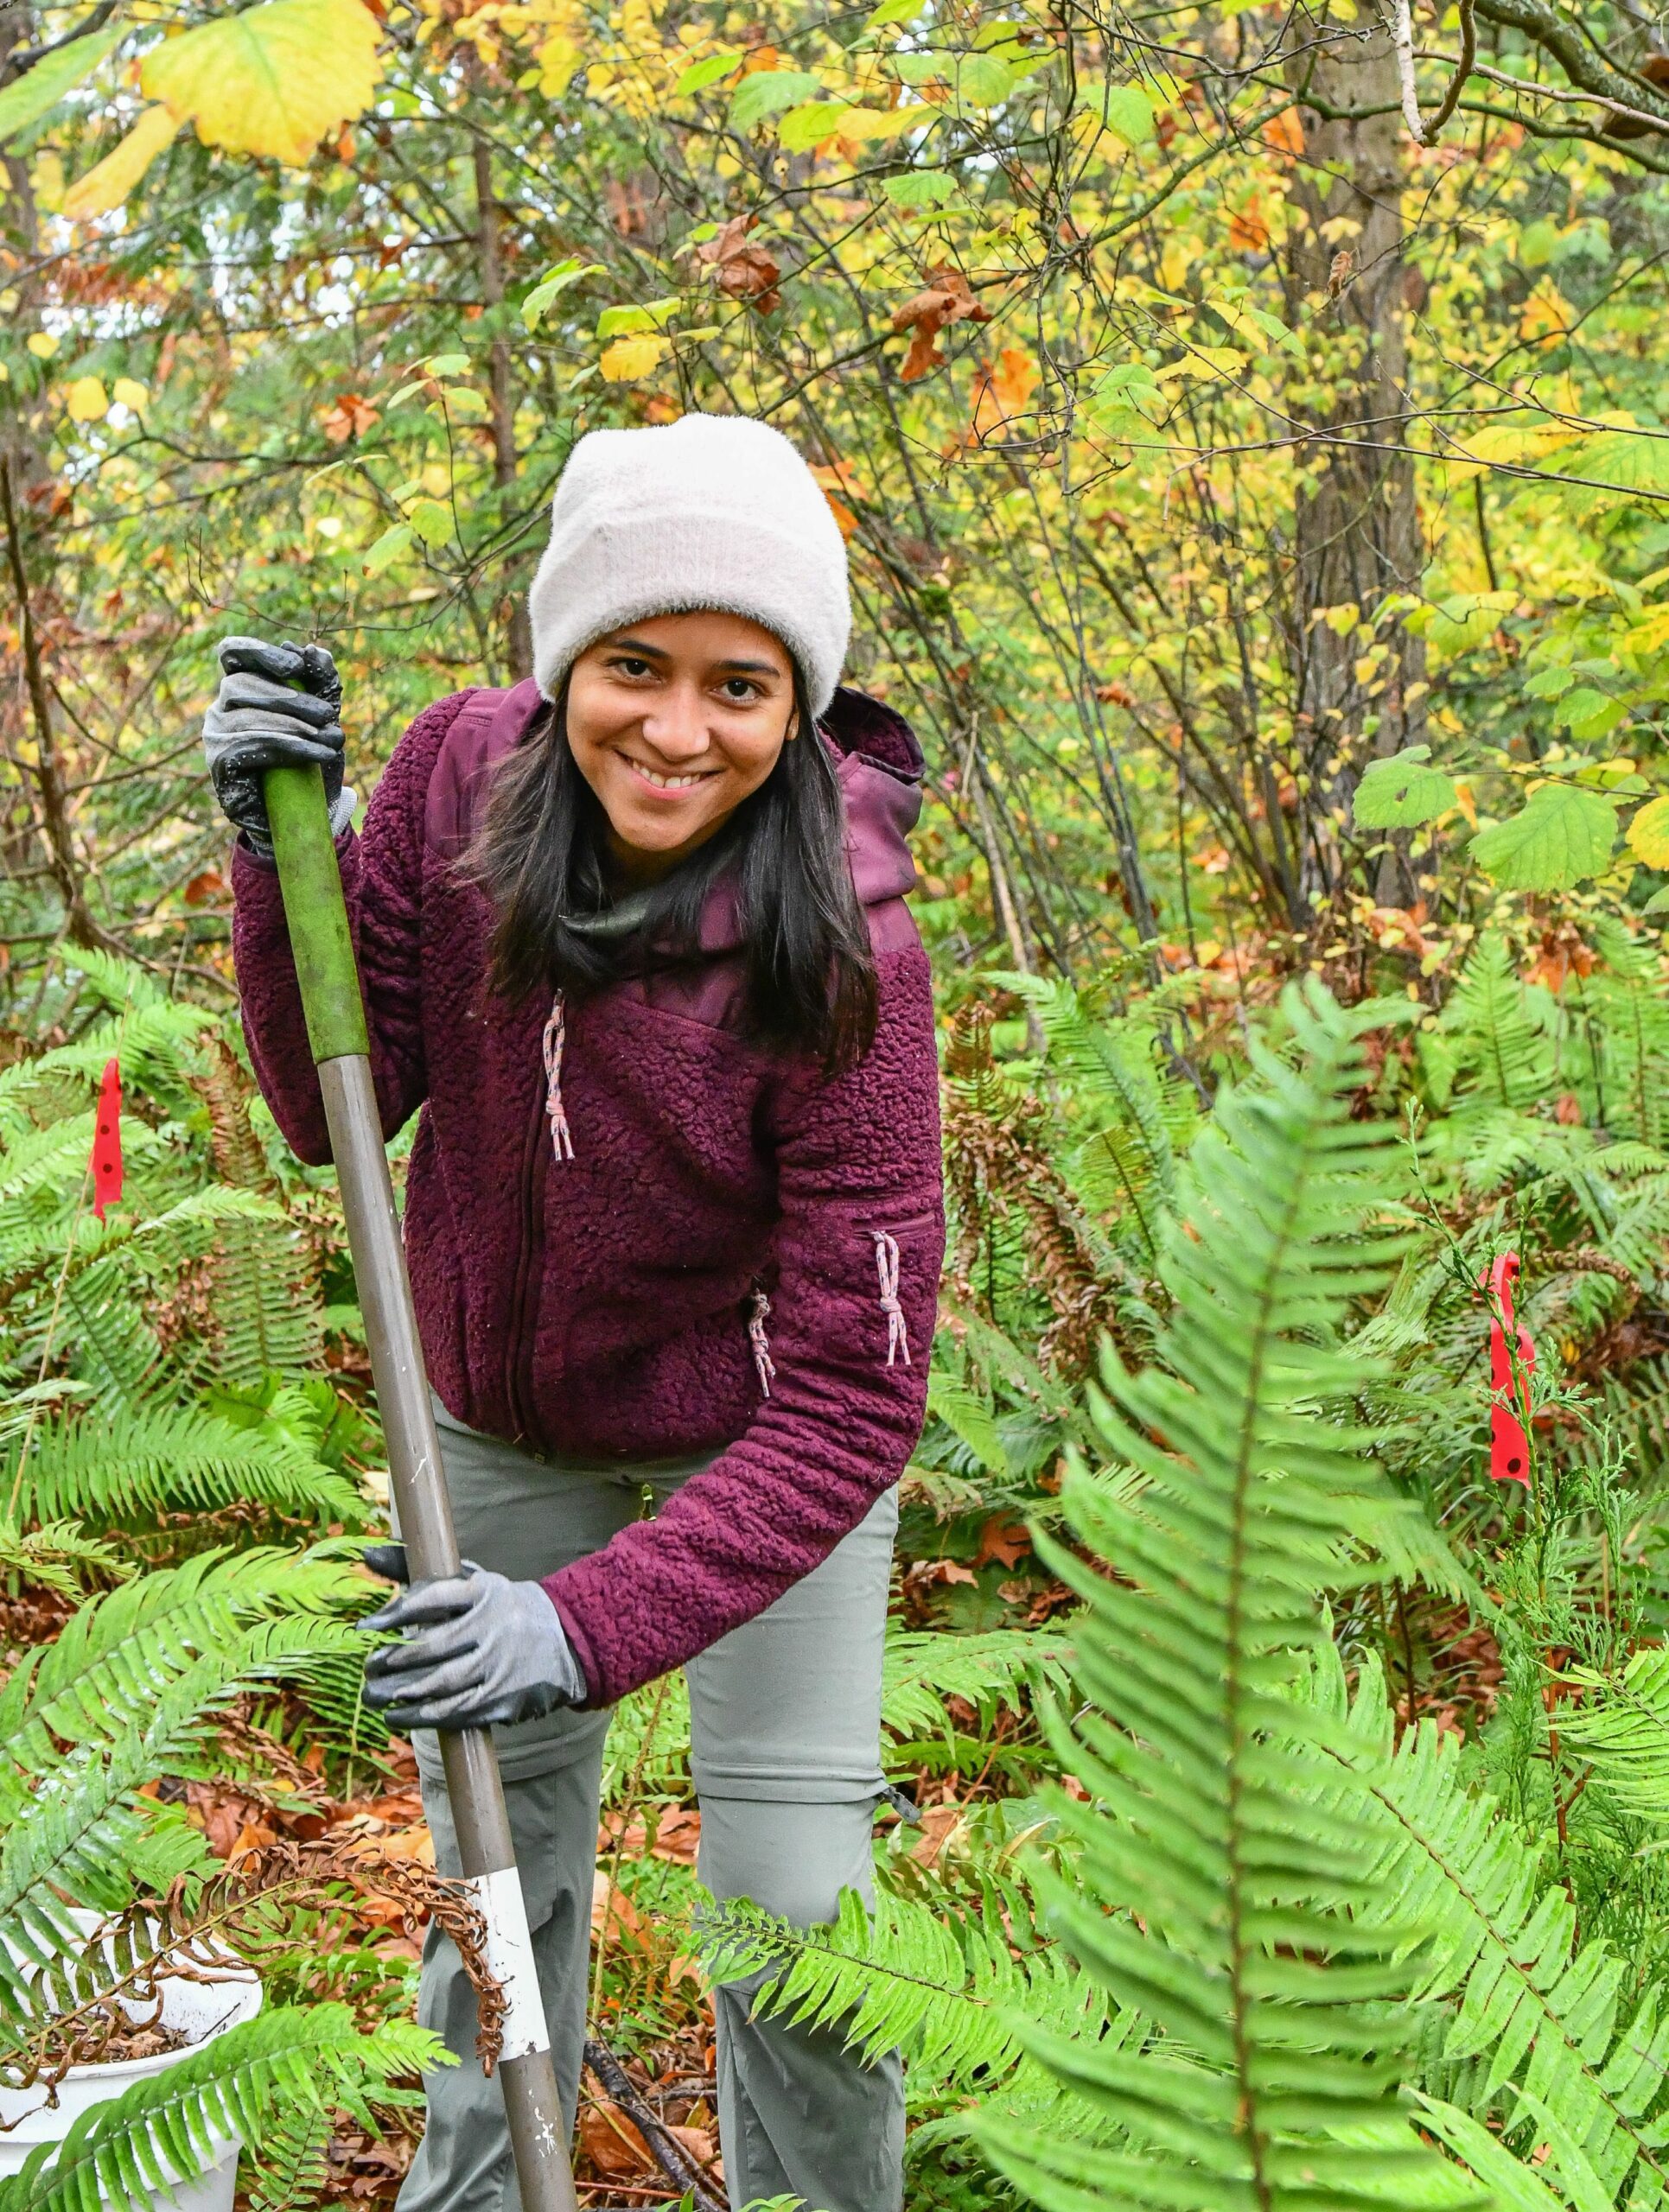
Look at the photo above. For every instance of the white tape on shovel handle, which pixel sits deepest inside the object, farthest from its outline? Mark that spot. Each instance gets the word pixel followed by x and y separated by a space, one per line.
pixel 510 1955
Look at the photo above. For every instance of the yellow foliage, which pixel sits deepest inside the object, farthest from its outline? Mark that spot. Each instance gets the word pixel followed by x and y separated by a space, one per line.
pixel 559 57
pixel 108 183
pixel 886 123
pixel 43 345
pixel 1507 442
pixel 627 358
pixel 1547 314
pixel 273 79
pixel 46 181
pixel 84 401
pixel 128 392
pixel 1649 834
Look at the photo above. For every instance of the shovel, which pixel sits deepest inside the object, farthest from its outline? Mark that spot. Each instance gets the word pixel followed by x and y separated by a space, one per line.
pixel 312 887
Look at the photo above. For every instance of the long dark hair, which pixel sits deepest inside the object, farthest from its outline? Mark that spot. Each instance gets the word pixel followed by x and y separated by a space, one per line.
pixel 809 971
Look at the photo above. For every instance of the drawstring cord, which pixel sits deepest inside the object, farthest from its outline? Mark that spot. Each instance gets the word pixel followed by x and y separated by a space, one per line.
pixel 764 1364
pixel 886 1260
pixel 556 1035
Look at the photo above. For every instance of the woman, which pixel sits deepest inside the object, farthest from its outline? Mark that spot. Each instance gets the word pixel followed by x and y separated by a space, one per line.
pixel 633 938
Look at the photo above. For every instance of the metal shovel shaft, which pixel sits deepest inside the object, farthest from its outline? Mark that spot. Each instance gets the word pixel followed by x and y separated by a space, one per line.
pixel 317 917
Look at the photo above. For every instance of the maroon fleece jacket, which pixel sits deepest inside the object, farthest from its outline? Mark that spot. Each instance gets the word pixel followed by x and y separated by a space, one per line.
pixel 607 1306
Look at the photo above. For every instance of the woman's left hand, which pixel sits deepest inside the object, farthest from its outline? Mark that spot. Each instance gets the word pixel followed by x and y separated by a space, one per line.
pixel 481 1650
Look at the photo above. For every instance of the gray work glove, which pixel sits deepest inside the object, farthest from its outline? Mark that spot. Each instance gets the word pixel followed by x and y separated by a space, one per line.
pixel 260 720
pixel 483 1650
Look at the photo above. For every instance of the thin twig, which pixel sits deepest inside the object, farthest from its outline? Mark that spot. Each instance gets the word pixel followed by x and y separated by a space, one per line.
pixel 1462 70
pixel 670 2155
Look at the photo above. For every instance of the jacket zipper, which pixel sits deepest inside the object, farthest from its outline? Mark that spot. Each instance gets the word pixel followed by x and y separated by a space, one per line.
pixel 521 1294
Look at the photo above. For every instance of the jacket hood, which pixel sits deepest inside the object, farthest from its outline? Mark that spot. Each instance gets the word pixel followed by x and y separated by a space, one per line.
pixel 877 760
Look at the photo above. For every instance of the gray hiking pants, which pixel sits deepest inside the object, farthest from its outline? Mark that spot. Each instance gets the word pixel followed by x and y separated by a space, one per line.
pixel 785 1718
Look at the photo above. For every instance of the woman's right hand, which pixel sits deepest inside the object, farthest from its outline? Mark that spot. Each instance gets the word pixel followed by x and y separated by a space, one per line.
pixel 260 720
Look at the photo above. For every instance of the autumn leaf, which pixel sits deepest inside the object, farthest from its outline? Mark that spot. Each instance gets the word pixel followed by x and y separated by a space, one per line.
pixel 86 401
pixel 834 480
pixel 611 2141
pixel 945 299
pixel 1001 392
pixel 627 358
pixel 861 123
pixel 1248 231
pixel 210 884
pixel 1283 134
pixel 1003 1540
pixel 804 127
pixel 742 270
pixel 274 79
pixel 1649 834
pixel 108 183
pixel 349 417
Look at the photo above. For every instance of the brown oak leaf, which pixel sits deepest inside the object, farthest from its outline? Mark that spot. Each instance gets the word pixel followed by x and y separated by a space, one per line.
pixel 945 298
pixel 742 271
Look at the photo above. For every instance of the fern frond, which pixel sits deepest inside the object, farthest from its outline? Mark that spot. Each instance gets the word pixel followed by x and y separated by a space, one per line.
pixel 1505 1056
pixel 172 2126
pixel 1273 2079
pixel 56 1555
pixel 1532 2016
pixel 152 1042
pixel 1623 1726
pixel 155 1454
pixel 292 2167
pixel 1128 1163
pixel 942 1985
pixel 997 1668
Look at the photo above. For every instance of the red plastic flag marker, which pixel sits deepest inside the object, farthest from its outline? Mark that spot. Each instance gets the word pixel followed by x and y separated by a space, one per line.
pixel 1509 1447
pixel 107 1142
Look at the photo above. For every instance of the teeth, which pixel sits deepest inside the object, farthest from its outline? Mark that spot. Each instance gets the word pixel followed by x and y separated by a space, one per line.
pixel 667 783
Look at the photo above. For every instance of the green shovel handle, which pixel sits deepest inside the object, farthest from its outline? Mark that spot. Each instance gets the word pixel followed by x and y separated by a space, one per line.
pixel 311 881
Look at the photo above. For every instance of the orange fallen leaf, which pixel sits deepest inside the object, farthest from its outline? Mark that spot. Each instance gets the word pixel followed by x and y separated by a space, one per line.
pixel 611 2141
pixel 1003 1540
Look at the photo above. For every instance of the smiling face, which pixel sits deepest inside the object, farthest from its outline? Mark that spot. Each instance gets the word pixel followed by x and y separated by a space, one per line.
pixel 673 721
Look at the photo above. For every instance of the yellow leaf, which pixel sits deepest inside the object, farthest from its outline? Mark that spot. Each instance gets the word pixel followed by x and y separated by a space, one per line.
pixel 43 345
pixel 886 122
pixel 559 58
pixel 1649 834
pixel 86 401
pixel 128 392
pixel 273 79
pixel 108 183
pixel 629 359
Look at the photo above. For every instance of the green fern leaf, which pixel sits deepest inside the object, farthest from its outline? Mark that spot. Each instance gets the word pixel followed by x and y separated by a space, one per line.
pixel 1272 2079
pixel 172 2126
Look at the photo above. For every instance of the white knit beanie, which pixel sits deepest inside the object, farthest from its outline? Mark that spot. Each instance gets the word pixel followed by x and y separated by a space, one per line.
pixel 712 510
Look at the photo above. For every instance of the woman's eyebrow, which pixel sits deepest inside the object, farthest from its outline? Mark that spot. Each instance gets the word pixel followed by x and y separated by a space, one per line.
pixel 752 667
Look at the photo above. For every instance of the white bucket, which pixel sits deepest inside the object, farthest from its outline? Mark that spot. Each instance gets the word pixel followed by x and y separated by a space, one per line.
pixel 200 2011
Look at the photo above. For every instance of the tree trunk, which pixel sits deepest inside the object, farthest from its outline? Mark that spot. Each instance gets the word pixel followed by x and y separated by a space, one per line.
pixel 1358 541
